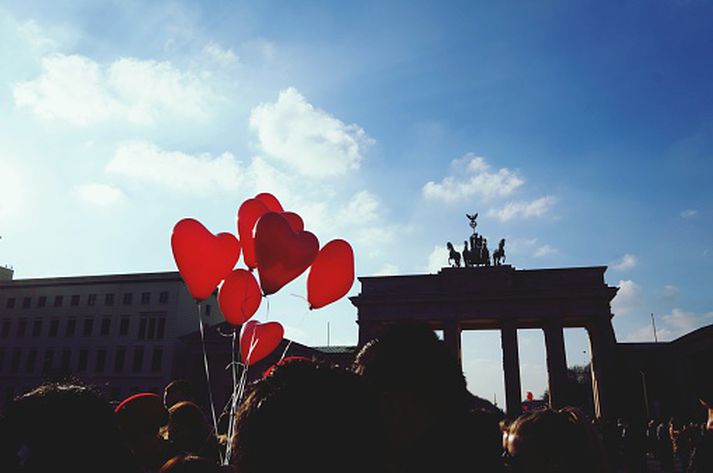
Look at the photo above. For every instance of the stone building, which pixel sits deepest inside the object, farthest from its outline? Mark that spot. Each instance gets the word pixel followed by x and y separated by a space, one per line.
pixel 119 331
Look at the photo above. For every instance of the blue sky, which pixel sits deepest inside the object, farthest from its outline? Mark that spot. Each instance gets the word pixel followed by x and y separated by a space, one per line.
pixel 580 131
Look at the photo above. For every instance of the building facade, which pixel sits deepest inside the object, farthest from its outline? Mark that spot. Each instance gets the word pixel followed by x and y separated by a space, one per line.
pixel 119 332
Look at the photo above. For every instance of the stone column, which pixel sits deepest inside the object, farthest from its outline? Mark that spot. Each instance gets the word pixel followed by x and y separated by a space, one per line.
pixel 511 368
pixel 602 346
pixel 452 339
pixel 556 363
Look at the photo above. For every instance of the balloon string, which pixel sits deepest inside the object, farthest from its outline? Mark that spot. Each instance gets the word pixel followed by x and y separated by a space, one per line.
pixel 267 306
pixel 231 417
pixel 238 393
pixel 289 342
pixel 299 297
pixel 207 371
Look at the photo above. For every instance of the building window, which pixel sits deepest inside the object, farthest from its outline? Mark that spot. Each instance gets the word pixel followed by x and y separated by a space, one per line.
pixel 5 330
pixel 2 360
pixel 42 301
pixel 58 301
pixel 163 297
pixel 142 328
pixel 138 362
pixel 101 360
pixel 74 301
pixel 156 358
pixel 48 361
pixel 83 359
pixel 66 359
pixel 26 301
pixel 15 361
pixel 124 326
pixel 31 360
pixel 145 297
pixel 21 327
pixel 10 304
pixel 71 328
pixel 54 327
pixel 88 327
pixel 109 299
pixel 151 332
pixel 92 299
pixel 105 327
pixel 37 328
pixel 160 331
pixel 127 298
pixel 119 359
pixel 208 309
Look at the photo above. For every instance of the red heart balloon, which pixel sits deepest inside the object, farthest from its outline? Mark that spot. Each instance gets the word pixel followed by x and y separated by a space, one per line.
pixel 257 340
pixel 203 259
pixel 331 275
pixel 239 297
pixel 270 202
pixel 281 253
pixel 248 214
pixel 295 221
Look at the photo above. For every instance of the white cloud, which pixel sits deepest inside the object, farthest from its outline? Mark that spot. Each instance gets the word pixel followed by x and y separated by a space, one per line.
pixel 388 270
pixel 544 250
pixel 309 140
pixel 628 298
pixel 689 213
pixel 474 180
pixel 627 262
pixel 362 208
pixel 222 56
pixel 671 326
pixel 175 170
pixel 100 195
pixel 78 90
pixel 670 292
pixel 34 34
pixel 511 210
pixel 437 259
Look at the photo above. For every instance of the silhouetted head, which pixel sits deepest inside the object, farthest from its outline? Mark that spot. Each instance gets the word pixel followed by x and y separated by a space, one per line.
pixel 190 464
pixel 61 427
pixel 306 416
pixel 418 380
pixel 176 391
pixel 548 441
pixel 188 428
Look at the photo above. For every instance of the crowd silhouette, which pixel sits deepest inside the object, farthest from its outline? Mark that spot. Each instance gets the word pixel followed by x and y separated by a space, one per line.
pixel 402 407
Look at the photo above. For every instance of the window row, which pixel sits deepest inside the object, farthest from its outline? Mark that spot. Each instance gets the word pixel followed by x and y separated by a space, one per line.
pixel 68 360
pixel 74 300
pixel 151 327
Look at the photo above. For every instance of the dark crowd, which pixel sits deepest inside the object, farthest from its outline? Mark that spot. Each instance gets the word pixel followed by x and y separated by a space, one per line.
pixel 402 407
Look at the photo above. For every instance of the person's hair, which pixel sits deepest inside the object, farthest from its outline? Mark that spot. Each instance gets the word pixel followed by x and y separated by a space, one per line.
pixel 188 429
pixel 189 464
pixel 411 358
pixel 555 441
pixel 307 416
pixel 179 386
pixel 61 427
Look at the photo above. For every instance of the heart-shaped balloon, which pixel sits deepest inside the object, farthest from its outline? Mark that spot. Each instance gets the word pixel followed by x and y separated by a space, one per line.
pixel 239 296
pixel 250 212
pixel 281 253
pixel 257 340
pixel 331 275
pixel 270 202
pixel 203 259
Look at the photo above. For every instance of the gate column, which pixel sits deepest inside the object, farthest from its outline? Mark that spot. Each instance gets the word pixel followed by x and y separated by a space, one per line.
pixel 511 368
pixel 602 344
pixel 556 363
pixel 452 339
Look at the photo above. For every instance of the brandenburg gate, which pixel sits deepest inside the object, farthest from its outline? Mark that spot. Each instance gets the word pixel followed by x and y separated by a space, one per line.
pixel 506 299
